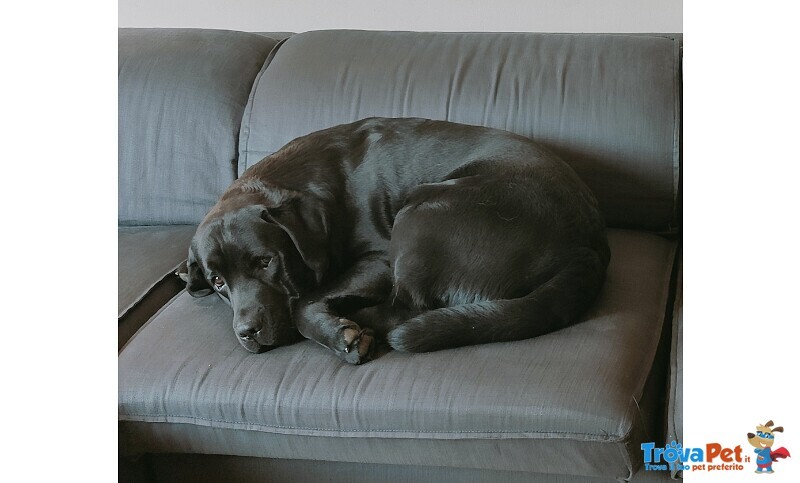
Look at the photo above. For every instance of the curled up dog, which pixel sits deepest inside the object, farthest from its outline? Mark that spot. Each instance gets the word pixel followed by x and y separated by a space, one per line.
pixel 425 234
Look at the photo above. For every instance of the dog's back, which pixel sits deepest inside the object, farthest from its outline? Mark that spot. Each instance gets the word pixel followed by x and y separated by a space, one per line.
pixel 491 236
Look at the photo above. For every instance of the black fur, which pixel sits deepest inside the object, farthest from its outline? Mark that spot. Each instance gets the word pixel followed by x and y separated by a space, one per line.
pixel 426 233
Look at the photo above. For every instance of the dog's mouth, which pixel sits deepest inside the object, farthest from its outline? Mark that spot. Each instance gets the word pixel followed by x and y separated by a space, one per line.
pixel 256 346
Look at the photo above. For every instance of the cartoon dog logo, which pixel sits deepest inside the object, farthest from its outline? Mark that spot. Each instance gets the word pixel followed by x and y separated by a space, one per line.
pixel 762 441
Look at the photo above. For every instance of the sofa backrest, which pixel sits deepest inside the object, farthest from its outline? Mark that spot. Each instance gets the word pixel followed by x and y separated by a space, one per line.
pixel 182 93
pixel 608 104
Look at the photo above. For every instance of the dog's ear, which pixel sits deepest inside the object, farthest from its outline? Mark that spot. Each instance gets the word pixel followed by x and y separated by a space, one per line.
pixel 306 220
pixel 778 429
pixel 196 283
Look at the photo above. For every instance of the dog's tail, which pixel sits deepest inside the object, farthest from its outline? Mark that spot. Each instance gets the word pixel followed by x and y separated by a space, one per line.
pixel 553 305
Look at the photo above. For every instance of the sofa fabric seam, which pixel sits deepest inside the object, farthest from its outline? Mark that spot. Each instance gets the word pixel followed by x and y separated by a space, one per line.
pixel 131 418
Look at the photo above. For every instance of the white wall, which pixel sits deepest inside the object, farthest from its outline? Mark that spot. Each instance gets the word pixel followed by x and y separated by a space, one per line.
pixel 430 15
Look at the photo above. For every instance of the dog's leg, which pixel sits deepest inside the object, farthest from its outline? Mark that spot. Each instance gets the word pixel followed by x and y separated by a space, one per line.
pixel 553 305
pixel 384 317
pixel 320 317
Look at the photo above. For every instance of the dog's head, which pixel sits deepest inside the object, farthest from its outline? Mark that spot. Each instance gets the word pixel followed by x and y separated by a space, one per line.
pixel 260 252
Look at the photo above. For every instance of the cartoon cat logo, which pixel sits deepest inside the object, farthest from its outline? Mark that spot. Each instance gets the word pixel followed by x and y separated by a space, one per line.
pixel 762 441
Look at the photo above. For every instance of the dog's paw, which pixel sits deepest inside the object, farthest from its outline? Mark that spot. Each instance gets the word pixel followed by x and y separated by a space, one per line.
pixel 358 344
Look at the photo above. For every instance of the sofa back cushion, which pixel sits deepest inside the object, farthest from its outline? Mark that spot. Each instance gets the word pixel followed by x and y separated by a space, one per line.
pixel 609 105
pixel 181 97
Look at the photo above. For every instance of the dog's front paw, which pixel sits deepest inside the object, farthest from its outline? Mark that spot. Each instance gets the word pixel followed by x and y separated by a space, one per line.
pixel 357 345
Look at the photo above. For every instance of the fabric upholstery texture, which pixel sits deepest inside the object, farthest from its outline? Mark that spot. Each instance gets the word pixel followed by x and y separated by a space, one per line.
pixel 161 293
pixel 564 403
pixel 276 36
pixel 675 406
pixel 609 105
pixel 147 259
pixel 555 456
pixel 215 468
pixel 182 93
pixel 146 255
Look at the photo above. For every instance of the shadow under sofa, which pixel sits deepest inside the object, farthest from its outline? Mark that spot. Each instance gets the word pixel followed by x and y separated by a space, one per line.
pixel 197 107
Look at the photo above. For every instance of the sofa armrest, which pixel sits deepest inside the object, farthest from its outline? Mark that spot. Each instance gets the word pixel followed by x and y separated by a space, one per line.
pixel 147 259
pixel 675 388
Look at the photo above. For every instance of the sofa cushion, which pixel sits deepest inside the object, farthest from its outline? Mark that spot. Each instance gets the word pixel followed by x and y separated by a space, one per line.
pixel 148 257
pixel 181 97
pixel 608 104
pixel 675 394
pixel 146 254
pixel 215 468
pixel 566 402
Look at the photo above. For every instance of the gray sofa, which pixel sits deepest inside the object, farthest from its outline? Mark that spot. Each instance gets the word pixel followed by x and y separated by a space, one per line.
pixel 197 107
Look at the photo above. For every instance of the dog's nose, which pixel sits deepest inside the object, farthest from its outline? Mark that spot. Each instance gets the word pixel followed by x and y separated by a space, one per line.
pixel 247 332
pixel 246 328
pixel 248 322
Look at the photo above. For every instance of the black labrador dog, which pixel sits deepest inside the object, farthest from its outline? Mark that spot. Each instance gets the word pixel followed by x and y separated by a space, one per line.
pixel 425 234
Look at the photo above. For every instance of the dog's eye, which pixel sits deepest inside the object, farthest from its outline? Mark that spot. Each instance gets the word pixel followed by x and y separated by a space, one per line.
pixel 217 281
pixel 265 261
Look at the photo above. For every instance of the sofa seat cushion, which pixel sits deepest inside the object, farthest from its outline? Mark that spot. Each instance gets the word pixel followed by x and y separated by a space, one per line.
pixel 148 257
pixel 567 402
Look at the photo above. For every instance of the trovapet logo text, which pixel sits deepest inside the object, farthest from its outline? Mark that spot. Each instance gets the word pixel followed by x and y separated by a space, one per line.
pixel 674 457
pixel 716 457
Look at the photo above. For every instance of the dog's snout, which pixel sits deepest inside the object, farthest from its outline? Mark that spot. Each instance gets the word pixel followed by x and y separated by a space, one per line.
pixel 249 322
pixel 751 435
